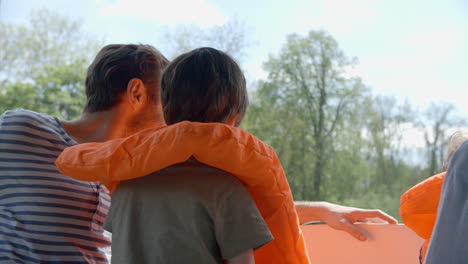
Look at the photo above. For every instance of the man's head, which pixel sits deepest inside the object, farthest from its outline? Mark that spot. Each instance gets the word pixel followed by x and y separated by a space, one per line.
pixel 204 85
pixel 454 142
pixel 116 69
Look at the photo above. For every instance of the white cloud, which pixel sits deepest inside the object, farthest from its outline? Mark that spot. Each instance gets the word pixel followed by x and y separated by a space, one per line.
pixel 196 12
pixel 413 137
pixel 344 16
pixel 421 78
pixel 253 69
pixel 438 45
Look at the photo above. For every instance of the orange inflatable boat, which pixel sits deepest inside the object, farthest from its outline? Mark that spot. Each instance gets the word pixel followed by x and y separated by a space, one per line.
pixel 418 207
pixel 218 145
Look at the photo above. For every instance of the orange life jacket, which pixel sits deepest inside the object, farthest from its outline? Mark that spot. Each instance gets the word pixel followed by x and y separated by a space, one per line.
pixel 225 147
pixel 418 207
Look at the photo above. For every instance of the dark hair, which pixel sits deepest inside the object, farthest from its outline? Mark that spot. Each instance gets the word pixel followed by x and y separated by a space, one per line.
pixel 114 66
pixel 204 85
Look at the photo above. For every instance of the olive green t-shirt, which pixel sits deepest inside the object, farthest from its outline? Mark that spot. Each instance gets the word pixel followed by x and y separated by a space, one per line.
pixel 187 213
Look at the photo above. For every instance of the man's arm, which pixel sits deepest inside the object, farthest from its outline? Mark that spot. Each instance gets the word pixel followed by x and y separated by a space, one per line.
pixel 246 257
pixel 340 217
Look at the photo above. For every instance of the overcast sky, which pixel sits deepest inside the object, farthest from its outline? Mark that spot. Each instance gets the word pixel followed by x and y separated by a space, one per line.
pixel 412 49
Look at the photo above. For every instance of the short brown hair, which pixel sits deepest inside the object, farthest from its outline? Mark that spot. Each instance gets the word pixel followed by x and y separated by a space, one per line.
pixel 204 85
pixel 114 66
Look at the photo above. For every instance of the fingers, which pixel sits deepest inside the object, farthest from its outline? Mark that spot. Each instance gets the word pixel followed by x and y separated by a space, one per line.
pixel 353 230
pixel 373 220
pixel 377 214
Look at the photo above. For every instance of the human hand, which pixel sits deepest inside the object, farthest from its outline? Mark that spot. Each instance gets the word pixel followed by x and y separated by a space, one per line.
pixel 344 218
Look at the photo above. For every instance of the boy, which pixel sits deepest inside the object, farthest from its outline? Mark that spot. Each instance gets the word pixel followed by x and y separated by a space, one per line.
pixel 190 212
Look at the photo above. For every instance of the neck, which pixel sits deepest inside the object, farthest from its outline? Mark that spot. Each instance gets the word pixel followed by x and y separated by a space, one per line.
pixel 97 127
pixel 117 122
pixel 106 125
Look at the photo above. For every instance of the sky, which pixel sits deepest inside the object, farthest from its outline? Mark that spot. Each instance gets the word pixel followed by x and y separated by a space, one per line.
pixel 414 50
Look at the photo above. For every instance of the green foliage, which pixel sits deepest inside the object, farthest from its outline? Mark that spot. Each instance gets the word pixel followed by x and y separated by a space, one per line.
pixel 43 65
pixel 336 141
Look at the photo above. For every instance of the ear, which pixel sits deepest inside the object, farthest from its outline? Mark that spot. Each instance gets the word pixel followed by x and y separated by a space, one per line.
pixel 136 94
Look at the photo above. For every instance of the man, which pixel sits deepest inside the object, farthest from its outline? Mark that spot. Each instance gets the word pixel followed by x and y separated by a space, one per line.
pixel 449 240
pixel 46 216
pixel 49 217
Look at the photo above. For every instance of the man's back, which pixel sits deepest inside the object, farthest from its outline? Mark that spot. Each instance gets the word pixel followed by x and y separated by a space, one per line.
pixel 187 213
pixel 44 215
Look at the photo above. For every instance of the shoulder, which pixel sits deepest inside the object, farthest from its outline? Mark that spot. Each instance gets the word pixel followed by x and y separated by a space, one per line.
pixel 458 162
pixel 27 116
pixel 460 155
pixel 218 182
pixel 29 119
pixel 223 179
pixel 208 173
pixel 458 166
pixel 229 187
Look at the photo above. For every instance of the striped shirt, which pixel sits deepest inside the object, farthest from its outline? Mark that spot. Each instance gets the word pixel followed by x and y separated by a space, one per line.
pixel 45 217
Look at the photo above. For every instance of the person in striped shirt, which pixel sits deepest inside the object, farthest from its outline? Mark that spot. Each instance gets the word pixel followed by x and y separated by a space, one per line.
pixel 46 217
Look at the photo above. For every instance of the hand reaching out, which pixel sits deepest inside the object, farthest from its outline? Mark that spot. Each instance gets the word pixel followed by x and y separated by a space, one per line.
pixel 341 217
pixel 344 218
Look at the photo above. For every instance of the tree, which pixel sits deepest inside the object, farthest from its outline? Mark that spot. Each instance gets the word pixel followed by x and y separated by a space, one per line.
pixel 385 122
pixel 43 64
pixel 308 97
pixel 230 37
pixel 437 120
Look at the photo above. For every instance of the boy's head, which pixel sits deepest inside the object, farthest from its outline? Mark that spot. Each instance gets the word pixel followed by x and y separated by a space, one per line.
pixel 204 85
pixel 115 66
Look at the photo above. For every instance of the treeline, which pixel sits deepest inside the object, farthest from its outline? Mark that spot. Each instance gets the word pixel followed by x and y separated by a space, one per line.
pixel 337 141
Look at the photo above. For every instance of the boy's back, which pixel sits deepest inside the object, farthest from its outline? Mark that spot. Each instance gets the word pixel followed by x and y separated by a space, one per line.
pixel 187 213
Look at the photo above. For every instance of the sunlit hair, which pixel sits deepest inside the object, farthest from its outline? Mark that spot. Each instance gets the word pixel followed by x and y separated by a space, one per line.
pixel 114 66
pixel 203 85
pixel 455 141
